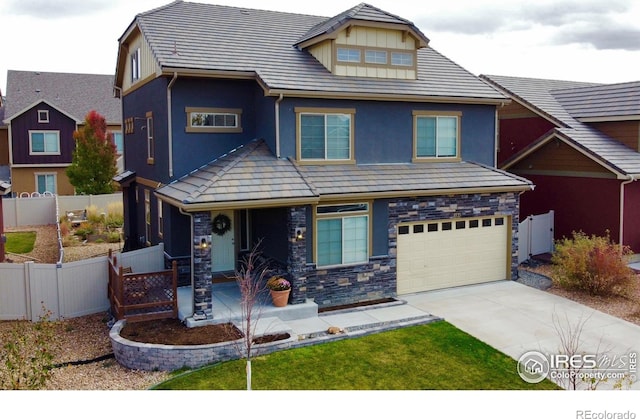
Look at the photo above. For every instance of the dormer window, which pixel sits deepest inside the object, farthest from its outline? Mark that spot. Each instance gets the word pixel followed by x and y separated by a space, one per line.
pixel 349 55
pixel 402 59
pixel 372 56
pixel 135 64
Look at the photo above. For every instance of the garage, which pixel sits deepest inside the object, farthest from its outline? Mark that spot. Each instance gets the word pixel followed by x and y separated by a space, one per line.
pixel 436 254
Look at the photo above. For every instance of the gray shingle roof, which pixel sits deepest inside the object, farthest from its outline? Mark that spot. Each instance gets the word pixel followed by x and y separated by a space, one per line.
pixel 74 94
pixel 547 97
pixel 192 36
pixel 253 173
pixel 604 101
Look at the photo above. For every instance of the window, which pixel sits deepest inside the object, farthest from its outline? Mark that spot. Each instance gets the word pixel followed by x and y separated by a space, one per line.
pixel 147 215
pixel 43 116
pixel 349 55
pixel 404 59
pixel 342 234
pixel 436 136
pixel 44 142
pixel 135 65
pixel 46 182
pixel 325 136
pixel 375 57
pixel 160 222
pixel 117 141
pixel 150 144
pixel 213 120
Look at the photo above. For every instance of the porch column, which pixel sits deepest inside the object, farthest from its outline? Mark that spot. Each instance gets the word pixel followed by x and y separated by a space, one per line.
pixel 202 301
pixel 297 261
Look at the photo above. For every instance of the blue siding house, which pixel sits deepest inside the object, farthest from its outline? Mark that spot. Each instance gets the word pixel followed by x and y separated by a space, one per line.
pixel 361 159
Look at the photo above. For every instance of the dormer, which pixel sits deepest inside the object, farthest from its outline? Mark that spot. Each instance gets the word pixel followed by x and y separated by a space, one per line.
pixel 366 42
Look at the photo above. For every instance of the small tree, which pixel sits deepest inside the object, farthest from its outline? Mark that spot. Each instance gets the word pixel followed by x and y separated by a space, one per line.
pixel 94 158
pixel 250 278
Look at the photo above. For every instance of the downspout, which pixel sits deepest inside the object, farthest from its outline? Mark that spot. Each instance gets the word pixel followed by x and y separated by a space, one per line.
pixel 170 133
pixel 631 178
pixel 277 111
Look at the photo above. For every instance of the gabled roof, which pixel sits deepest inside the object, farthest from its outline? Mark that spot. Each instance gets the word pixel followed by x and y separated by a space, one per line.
pixel 547 99
pixel 251 174
pixel 620 101
pixel 362 12
pixel 73 94
pixel 206 39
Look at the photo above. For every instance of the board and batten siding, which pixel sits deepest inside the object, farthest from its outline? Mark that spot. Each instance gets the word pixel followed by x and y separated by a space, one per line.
pixel 147 62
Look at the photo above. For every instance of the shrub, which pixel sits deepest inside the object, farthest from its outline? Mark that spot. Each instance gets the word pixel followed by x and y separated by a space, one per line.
pixel 93 216
pixel 115 215
pixel 593 264
pixel 84 230
pixel 113 237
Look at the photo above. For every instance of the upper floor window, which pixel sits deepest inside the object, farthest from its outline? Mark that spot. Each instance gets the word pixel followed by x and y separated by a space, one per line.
pixel 150 143
pixel 436 135
pixel 349 55
pixel 342 234
pixel 372 56
pixel 43 116
pixel 44 142
pixel 325 134
pixel 404 59
pixel 118 142
pixel 213 120
pixel 135 64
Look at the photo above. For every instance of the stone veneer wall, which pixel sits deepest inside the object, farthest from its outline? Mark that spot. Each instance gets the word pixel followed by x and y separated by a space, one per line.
pixel 377 278
pixel 202 299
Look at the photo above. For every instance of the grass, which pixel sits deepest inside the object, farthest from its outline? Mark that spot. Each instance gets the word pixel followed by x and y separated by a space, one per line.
pixel 20 242
pixel 435 356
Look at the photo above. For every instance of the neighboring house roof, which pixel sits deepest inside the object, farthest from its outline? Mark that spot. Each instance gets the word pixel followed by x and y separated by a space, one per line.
pixel 233 178
pixel 604 102
pixel 73 94
pixel 259 43
pixel 2 112
pixel 548 98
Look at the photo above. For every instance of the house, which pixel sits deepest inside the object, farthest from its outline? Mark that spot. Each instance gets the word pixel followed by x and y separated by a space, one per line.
pixel 580 145
pixel 43 110
pixel 361 158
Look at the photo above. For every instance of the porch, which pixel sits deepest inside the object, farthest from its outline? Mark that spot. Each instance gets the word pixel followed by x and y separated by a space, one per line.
pixel 225 306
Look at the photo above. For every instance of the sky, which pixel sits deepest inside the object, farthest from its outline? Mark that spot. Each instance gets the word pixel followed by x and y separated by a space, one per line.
pixel 580 40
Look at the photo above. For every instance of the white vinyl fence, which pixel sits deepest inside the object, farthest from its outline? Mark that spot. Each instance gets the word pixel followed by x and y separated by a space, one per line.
pixel 68 290
pixel 535 236
pixel 41 209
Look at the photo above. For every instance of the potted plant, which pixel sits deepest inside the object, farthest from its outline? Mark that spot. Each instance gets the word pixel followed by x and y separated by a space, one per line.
pixel 279 289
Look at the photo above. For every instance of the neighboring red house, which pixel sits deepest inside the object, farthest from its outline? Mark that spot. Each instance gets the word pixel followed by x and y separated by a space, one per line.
pixel 579 143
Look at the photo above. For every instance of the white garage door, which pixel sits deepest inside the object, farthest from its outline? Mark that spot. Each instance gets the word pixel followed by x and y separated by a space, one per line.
pixel 440 254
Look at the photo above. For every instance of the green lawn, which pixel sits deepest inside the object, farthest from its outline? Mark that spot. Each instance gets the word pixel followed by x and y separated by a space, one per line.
pixel 433 356
pixel 20 242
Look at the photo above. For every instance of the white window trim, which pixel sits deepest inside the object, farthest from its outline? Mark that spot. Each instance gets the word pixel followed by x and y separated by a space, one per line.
pixel 43 153
pixel 150 139
pixel 43 116
pixel 55 181
pixel 135 65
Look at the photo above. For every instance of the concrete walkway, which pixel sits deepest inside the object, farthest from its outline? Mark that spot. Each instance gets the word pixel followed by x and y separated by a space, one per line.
pixel 515 319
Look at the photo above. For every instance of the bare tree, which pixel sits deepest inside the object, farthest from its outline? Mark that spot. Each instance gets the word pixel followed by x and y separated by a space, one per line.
pixel 250 278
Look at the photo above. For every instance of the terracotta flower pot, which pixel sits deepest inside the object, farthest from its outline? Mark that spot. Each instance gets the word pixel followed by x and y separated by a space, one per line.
pixel 280 298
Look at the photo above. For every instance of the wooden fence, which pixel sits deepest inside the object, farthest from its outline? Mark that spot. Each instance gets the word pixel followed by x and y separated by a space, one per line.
pixel 137 296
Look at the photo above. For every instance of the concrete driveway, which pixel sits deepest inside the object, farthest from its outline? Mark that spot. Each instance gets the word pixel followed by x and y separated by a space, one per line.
pixel 516 319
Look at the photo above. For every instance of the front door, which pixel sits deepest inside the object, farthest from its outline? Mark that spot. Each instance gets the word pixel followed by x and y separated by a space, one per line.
pixel 223 256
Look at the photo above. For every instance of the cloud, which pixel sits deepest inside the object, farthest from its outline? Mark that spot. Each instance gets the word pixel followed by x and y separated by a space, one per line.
pixel 47 9
pixel 596 23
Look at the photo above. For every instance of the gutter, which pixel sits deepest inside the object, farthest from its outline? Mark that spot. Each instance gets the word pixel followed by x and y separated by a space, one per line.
pixel 277 116
pixel 631 179
pixel 169 129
